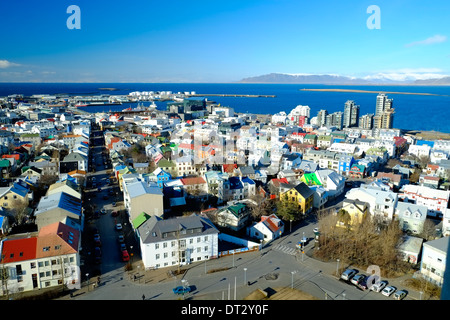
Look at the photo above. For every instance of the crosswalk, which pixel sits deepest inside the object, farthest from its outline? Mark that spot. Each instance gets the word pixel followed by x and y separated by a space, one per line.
pixel 286 249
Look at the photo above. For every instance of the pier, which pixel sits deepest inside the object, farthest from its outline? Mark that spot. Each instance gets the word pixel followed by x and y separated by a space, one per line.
pixel 232 95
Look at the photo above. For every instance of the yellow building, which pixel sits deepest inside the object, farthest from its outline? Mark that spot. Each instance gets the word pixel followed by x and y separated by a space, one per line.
pixel 352 213
pixel 301 195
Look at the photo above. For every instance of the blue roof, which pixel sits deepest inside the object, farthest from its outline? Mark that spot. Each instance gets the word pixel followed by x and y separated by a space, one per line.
pixel 19 189
pixel 248 180
pixel 69 203
pixel 235 183
pixel 425 142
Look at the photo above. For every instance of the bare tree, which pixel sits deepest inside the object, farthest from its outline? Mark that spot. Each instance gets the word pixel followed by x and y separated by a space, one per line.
pixel 428 230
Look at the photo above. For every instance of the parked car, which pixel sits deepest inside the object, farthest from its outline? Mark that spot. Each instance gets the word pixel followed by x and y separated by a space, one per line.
pixel 348 274
pixel 125 256
pixel 114 213
pixel 114 204
pixel 181 290
pixel 378 286
pixel 399 295
pixel 118 226
pixel 121 238
pixel 388 290
pixel 96 237
pixel 357 279
pixel 123 247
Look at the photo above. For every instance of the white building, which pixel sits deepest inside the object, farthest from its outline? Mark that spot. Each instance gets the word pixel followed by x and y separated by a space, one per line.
pixel 419 150
pixel 280 117
pixel 382 203
pixel 434 256
pixel 268 229
pixel 435 200
pixel 177 241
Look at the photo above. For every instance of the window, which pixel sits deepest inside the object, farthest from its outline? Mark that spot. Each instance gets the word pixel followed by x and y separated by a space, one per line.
pixel 45 249
pixel 157 256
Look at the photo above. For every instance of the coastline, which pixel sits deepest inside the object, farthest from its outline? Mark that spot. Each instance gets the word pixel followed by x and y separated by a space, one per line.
pixel 369 91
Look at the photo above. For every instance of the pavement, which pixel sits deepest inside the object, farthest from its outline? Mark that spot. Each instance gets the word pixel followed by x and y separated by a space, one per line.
pixel 139 276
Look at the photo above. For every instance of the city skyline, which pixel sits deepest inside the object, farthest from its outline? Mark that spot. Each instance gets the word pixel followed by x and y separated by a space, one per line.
pixel 219 42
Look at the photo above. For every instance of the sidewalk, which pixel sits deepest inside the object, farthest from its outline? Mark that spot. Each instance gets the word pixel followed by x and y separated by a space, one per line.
pixel 139 276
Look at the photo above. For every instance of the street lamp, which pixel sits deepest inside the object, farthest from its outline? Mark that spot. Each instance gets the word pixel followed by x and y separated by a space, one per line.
pixel 292 279
pixel 245 276
pixel 337 267
pixel 87 276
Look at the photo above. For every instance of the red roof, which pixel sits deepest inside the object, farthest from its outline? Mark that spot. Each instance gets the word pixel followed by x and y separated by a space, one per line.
pixel 271 222
pixel 192 180
pixel 15 156
pixel 276 182
pixel 16 250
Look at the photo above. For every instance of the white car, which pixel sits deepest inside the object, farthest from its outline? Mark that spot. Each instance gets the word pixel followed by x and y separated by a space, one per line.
pixel 388 291
pixel 399 295
pixel 378 286
pixel 348 274
pixel 119 226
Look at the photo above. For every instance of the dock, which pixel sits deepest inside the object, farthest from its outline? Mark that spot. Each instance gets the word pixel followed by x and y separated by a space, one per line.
pixel 231 95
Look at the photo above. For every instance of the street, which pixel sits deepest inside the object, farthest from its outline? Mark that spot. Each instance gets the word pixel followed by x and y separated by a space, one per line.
pixel 279 264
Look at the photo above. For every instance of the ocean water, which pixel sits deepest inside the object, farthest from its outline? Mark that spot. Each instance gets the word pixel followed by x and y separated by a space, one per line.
pixel 413 112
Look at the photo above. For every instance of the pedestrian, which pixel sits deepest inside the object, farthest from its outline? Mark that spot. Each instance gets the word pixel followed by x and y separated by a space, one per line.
pixel 143 297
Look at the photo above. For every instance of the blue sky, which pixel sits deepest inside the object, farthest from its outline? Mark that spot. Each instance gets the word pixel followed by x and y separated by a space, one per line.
pixel 221 41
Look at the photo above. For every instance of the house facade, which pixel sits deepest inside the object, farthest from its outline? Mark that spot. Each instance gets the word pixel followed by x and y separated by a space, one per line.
pixel 434 257
pixel 301 195
pixel 267 230
pixel 177 241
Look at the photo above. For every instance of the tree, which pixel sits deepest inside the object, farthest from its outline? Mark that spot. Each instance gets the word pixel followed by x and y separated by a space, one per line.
pixel 428 230
pixel 20 210
pixel 344 217
pixel 288 210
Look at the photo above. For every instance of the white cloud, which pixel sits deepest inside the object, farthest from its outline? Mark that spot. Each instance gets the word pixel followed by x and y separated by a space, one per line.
pixel 431 40
pixel 6 64
pixel 408 74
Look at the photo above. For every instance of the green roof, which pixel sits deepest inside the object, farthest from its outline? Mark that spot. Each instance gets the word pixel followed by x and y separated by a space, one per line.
pixel 324 138
pixel 5 163
pixel 163 163
pixel 140 219
pixel 311 179
pixel 236 208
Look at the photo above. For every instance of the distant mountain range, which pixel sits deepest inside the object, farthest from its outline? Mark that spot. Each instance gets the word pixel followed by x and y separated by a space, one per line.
pixel 284 78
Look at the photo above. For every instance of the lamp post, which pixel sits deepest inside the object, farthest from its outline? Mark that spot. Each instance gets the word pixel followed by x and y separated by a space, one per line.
pixel 292 279
pixel 337 267
pixel 87 276
pixel 245 276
